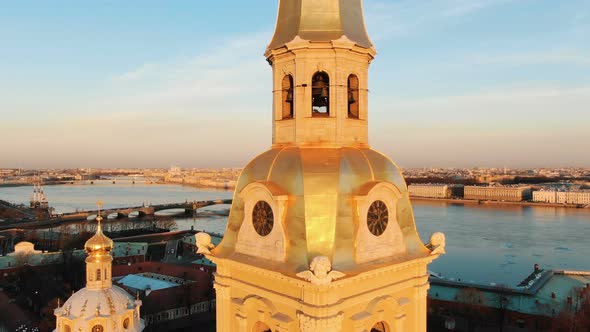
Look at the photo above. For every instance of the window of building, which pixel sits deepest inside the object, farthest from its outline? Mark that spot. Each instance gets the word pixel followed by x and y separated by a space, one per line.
pixel 126 323
pixel 287 97
pixel 98 275
pixel 353 96
pixel 320 94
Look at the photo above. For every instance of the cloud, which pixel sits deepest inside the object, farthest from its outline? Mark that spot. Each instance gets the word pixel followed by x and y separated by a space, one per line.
pixel 533 58
pixel 391 19
pixel 513 126
pixel 137 74
pixel 465 7
pixel 209 109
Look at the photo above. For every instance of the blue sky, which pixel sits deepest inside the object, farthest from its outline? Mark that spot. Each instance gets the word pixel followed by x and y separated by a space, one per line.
pixel 152 83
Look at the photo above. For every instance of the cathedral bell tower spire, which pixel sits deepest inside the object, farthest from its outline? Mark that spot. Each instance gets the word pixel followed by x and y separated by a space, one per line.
pixel 320 55
pixel 321 234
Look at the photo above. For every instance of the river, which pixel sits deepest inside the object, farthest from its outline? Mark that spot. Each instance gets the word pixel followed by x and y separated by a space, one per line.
pixel 485 244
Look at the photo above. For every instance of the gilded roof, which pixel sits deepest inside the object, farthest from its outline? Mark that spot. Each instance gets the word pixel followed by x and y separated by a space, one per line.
pixel 320 21
pixel 321 184
pixel 99 242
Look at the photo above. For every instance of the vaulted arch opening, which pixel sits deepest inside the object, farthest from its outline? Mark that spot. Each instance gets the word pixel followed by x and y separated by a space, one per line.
pixel 353 96
pixel 380 327
pixel 320 94
pixel 287 97
pixel 261 327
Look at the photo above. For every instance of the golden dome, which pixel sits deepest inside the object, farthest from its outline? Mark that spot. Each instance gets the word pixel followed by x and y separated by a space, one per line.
pixel 320 21
pixel 321 216
pixel 99 242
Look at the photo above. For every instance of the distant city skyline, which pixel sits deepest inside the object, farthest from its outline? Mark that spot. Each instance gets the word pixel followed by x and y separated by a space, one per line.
pixel 456 83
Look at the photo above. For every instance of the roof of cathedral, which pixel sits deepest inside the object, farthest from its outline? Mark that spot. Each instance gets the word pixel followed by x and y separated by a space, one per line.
pixel 88 302
pixel 320 21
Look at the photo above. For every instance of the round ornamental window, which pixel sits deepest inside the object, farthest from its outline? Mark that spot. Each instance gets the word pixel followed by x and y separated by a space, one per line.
pixel 97 328
pixel 262 218
pixel 126 323
pixel 377 218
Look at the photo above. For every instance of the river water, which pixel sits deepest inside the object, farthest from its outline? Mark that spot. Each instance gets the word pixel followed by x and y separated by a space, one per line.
pixel 485 244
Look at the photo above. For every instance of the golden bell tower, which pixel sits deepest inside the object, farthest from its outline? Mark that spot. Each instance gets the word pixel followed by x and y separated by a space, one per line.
pixel 321 234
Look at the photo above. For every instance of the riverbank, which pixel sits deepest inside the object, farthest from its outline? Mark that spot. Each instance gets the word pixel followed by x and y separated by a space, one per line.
pixel 200 186
pixel 499 203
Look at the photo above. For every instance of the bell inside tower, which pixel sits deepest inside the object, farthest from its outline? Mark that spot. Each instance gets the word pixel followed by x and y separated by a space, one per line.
pixel 353 96
pixel 320 94
pixel 287 97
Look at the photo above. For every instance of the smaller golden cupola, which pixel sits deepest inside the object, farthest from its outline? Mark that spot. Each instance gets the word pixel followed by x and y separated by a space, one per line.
pixel 99 260
pixel 100 306
pixel 99 243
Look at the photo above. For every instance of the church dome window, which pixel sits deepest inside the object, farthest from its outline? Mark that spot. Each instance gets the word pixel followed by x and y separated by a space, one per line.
pixel 262 218
pixel 287 97
pixel 377 218
pixel 97 328
pixel 353 96
pixel 320 94
pixel 126 323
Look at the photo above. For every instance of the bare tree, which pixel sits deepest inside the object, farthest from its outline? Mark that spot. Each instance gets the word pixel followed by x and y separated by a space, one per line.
pixel 575 316
pixel 473 300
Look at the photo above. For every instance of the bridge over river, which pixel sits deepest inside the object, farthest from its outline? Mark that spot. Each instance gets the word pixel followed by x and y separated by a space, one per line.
pixel 140 211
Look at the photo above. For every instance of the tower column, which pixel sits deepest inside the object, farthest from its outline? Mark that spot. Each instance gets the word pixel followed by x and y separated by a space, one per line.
pixel 223 312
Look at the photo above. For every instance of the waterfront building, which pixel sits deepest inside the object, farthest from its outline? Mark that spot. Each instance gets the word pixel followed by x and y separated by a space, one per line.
pixel 435 190
pixel 536 304
pixel 172 296
pixel 100 306
pixel 321 235
pixel 581 197
pixel 498 193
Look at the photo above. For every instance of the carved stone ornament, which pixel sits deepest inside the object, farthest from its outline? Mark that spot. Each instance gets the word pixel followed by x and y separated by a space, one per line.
pixel 309 324
pixel 437 243
pixel 320 272
pixel 204 244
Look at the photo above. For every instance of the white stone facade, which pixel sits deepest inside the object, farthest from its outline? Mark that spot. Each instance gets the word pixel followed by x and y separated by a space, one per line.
pixel 562 197
pixel 501 193
pixel 430 190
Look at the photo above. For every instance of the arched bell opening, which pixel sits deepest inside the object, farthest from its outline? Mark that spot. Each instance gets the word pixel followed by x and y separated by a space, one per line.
pixel 380 327
pixel 353 97
pixel 287 97
pixel 261 327
pixel 320 95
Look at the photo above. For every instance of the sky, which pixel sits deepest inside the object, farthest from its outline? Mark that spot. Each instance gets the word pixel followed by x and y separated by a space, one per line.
pixel 141 83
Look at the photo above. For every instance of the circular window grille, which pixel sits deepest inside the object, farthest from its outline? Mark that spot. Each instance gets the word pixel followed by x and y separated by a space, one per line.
pixel 262 218
pixel 377 218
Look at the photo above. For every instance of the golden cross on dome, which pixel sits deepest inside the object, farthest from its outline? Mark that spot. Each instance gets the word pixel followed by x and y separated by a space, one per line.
pixel 98 216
